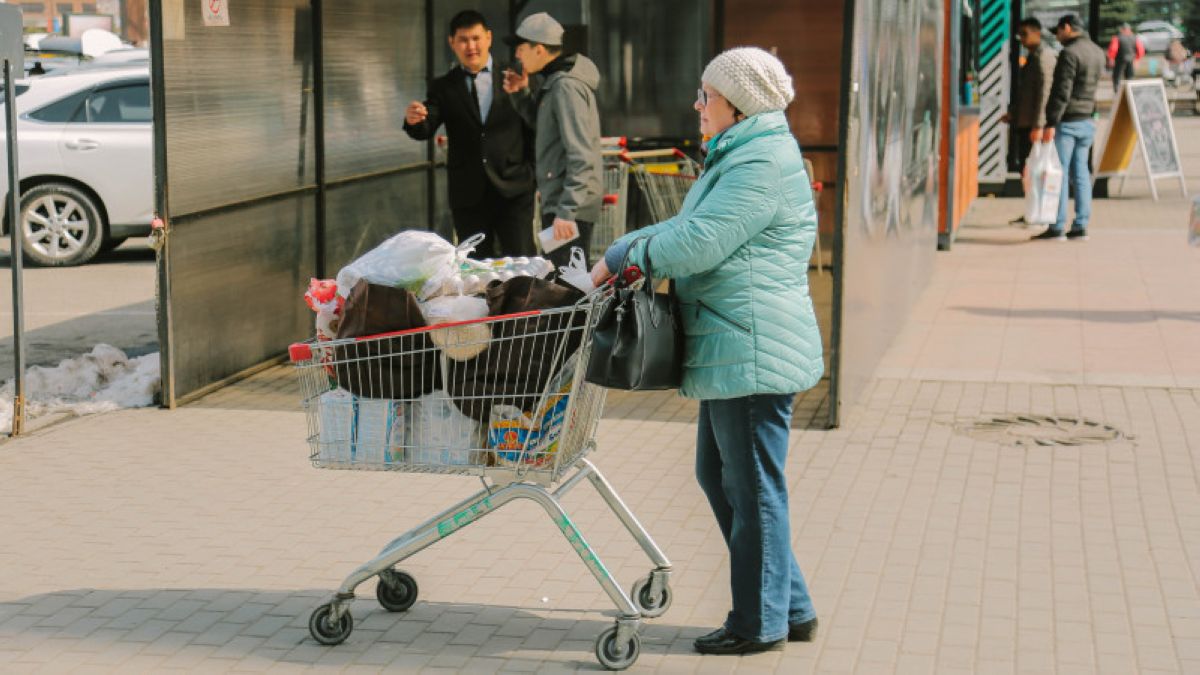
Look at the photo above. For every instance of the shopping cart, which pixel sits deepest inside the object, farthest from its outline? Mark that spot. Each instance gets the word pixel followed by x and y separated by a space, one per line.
pixel 664 177
pixel 503 399
pixel 611 224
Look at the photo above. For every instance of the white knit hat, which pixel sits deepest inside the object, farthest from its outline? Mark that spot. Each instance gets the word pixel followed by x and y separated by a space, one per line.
pixel 752 79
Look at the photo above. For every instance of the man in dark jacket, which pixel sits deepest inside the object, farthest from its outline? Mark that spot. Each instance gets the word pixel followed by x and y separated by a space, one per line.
pixel 1069 121
pixel 490 167
pixel 567 118
pixel 1027 112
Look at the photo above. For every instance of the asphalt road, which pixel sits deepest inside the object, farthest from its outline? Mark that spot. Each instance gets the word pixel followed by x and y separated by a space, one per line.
pixel 69 310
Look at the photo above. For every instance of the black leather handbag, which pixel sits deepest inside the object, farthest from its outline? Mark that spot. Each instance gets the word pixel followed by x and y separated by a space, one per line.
pixel 637 344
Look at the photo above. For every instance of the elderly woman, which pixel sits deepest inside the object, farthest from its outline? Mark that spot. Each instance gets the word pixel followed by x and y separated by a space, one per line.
pixel 738 252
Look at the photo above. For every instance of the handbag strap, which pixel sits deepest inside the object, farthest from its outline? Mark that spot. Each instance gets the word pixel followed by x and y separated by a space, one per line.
pixel 647 278
pixel 648 273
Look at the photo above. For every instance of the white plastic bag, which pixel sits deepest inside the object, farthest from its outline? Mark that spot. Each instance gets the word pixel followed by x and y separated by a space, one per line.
pixel 407 260
pixel 1043 185
pixel 577 273
pixel 447 279
pixel 460 343
pixel 439 434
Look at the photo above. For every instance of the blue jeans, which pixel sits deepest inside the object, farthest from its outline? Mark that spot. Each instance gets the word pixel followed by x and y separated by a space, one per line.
pixel 741 448
pixel 1074 140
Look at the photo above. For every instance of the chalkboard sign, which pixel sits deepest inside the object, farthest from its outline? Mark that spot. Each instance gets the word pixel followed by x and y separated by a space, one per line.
pixel 1141 119
pixel 1154 126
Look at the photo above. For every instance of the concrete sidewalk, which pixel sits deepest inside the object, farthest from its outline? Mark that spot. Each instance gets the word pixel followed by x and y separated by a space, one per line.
pixel 1017 493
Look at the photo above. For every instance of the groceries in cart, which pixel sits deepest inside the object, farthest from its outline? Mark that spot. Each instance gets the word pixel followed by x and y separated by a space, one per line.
pixel 460 342
pixel 408 260
pixel 322 298
pixel 428 351
pixel 361 430
pixel 440 435
pixel 518 436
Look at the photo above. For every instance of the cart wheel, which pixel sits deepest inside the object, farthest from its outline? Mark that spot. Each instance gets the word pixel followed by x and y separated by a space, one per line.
pixel 397 593
pixel 614 656
pixel 326 633
pixel 650 607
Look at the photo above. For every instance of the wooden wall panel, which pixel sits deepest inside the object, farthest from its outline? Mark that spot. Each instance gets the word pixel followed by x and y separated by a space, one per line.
pixel 807 37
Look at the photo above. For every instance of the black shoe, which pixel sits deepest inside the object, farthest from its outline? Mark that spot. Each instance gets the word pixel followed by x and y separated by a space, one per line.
pixel 723 643
pixel 1077 235
pixel 1049 234
pixel 715 636
pixel 803 632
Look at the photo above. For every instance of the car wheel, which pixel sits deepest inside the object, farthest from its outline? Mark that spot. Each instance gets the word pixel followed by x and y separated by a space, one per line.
pixel 60 226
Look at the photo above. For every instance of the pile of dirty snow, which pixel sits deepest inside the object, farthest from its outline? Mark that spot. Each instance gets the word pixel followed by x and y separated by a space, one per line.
pixel 103 380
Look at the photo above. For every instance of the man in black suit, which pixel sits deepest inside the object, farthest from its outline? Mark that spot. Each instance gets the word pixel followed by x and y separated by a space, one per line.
pixel 491 150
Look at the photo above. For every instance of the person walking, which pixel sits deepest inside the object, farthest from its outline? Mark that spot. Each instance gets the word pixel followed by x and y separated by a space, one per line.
pixel 1069 122
pixel 738 252
pixel 490 163
pixel 566 117
pixel 1124 50
pixel 1027 112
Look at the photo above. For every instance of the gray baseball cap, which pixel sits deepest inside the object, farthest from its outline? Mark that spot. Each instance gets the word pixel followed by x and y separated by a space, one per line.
pixel 540 28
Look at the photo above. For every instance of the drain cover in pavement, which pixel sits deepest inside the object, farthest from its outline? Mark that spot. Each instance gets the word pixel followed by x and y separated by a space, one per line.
pixel 1041 430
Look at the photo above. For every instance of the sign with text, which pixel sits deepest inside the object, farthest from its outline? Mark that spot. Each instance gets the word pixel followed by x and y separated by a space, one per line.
pixel 216 12
pixel 1141 119
pixel 12 38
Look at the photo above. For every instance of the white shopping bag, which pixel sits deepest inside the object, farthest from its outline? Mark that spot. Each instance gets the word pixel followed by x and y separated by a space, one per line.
pixel 1043 185
pixel 407 260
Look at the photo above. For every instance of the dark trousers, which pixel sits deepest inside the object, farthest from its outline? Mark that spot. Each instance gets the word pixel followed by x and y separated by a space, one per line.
pixel 1122 70
pixel 561 256
pixel 506 221
pixel 1024 147
pixel 741 451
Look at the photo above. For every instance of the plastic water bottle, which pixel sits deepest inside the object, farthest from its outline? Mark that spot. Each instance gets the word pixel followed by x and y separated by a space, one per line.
pixel 1194 226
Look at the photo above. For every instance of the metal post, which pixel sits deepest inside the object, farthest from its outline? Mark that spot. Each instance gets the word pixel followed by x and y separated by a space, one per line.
pixel 431 210
pixel 322 200
pixel 17 255
pixel 162 208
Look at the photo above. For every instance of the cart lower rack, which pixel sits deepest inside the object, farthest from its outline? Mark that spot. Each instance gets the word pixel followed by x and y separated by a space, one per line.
pixel 502 398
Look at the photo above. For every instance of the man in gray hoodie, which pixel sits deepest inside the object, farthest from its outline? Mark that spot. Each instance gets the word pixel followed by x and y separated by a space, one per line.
pixel 567 120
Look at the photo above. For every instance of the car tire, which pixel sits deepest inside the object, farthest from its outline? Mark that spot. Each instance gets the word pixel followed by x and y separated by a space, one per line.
pixel 112 244
pixel 60 226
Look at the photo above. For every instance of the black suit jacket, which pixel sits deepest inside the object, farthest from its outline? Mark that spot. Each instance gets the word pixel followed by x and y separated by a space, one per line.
pixel 499 151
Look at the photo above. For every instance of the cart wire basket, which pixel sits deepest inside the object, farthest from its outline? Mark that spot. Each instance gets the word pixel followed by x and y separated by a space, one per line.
pixel 615 206
pixel 503 399
pixel 664 178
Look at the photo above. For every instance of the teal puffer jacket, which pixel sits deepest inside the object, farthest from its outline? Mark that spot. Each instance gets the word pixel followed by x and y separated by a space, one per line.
pixel 738 252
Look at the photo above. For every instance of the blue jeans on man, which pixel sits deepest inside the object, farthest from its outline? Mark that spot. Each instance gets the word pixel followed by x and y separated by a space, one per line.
pixel 1074 141
pixel 741 449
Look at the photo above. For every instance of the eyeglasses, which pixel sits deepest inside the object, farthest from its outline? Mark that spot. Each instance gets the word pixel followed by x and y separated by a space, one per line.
pixel 702 97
